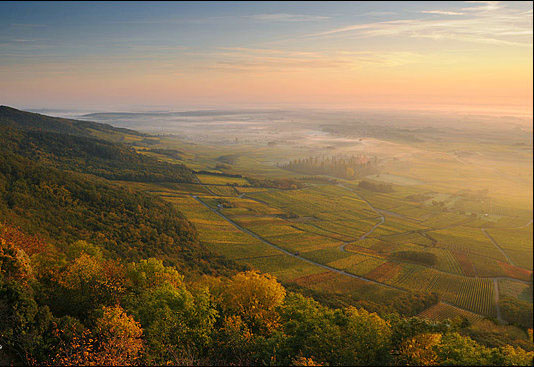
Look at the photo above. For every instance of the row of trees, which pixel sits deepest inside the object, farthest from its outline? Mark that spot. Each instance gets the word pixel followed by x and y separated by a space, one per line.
pixel 80 307
pixel 344 167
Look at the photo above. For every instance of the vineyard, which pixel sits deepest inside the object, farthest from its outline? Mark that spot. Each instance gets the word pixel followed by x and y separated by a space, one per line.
pixel 517 243
pixel 315 222
pixel 442 311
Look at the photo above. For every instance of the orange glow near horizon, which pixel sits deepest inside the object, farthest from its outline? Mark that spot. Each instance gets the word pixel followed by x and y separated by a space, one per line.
pixel 475 58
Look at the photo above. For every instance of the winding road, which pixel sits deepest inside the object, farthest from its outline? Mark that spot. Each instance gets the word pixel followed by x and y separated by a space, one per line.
pixel 288 252
pixel 382 218
pixel 497 245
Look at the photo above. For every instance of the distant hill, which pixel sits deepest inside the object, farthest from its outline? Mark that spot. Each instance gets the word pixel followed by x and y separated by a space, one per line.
pixel 72 145
pixel 37 122
pixel 194 113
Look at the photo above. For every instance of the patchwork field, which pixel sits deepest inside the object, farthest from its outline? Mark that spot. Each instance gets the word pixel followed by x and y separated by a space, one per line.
pixel 360 232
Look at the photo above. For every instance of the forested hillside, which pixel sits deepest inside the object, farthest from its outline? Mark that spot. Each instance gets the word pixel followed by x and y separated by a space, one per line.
pixel 71 145
pixel 40 193
pixel 37 122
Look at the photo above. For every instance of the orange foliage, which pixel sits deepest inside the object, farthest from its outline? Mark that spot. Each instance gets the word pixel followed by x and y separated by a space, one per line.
pixel 30 244
pixel 420 350
pixel 116 341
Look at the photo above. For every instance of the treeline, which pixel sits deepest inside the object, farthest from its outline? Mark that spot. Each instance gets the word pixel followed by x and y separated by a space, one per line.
pixel 79 307
pixel 376 186
pixel 343 167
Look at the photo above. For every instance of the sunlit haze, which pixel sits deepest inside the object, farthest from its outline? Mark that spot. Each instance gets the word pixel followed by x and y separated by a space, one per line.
pixel 453 56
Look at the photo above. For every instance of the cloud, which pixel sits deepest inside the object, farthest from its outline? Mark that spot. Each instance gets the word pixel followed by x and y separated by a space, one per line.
pixel 483 6
pixel 442 12
pixel 489 23
pixel 284 17
pixel 378 13
pixel 242 59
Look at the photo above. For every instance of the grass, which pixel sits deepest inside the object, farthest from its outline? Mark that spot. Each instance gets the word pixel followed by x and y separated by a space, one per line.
pixel 326 256
pixel 334 283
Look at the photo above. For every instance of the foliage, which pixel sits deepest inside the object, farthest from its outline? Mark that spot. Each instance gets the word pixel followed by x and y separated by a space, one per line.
pixel 146 313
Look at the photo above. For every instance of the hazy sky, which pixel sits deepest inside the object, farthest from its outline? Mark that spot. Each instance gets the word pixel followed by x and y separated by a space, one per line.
pixel 452 55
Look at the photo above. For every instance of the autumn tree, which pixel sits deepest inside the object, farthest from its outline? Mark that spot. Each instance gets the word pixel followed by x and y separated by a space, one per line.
pixel 254 297
pixel 420 350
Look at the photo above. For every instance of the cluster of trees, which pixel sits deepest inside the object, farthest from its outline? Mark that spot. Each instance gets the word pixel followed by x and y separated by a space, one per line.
pixel 344 167
pixel 420 257
pixel 80 307
pixel 376 186
pixel 418 198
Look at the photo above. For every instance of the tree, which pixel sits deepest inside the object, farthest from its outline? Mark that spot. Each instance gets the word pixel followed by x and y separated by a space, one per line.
pixel 420 350
pixel 177 323
pixel 114 341
pixel 151 273
pixel 88 281
pixel 458 350
pixel 117 338
pixel 254 297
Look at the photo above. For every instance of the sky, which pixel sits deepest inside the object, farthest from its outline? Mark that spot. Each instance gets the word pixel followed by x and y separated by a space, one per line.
pixel 455 56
